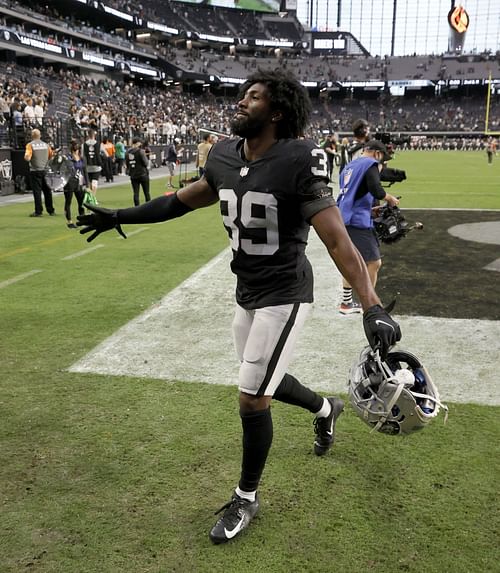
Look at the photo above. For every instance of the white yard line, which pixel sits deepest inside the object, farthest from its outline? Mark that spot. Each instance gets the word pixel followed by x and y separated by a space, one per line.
pixel 132 233
pixel 13 280
pixel 82 253
pixel 187 336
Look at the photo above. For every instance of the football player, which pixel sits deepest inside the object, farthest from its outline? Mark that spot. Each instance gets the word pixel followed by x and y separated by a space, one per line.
pixel 271 185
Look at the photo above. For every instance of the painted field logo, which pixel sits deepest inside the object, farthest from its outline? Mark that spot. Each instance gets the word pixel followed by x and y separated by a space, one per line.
pixel 487 232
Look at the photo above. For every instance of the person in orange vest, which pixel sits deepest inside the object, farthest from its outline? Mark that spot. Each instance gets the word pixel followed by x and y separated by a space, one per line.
pixel 108 152
pixel 38 154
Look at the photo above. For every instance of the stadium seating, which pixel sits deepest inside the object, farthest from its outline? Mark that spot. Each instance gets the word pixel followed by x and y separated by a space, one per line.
pixel 115 104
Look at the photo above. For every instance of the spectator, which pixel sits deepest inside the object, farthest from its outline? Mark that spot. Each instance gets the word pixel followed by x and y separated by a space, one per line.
pixel 76 184
pixel 92 153
pixel 171 159
pixel 119 156
pixel 39 111
pixel 29 113
pixel 330 148
pixel 137 167
pixel 108 159
pixel 202 155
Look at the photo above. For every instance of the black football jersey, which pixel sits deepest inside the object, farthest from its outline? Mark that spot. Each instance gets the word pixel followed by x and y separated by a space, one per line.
pixel 266 206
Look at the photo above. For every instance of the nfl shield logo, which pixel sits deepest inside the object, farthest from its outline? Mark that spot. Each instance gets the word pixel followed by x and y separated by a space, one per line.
pixel 243 171
pixel 347 176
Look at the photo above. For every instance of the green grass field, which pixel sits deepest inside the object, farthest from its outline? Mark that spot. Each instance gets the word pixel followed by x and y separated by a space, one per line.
pixel 105 474
pixel 449 180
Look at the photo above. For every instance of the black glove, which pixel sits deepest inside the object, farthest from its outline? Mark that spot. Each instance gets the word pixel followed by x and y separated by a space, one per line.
pixel 381 331
pixel 99 220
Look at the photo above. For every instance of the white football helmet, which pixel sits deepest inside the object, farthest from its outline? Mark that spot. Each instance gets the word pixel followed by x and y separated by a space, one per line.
pixel 396 396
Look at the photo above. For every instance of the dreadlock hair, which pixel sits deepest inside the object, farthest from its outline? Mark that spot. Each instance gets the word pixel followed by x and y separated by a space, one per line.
pixel 288 96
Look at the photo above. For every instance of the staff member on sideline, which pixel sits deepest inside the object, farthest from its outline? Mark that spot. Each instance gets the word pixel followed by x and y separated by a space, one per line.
pixel 171 160
pixel 137 166
pixel 38 154
pixel 360 192
pixel 203 149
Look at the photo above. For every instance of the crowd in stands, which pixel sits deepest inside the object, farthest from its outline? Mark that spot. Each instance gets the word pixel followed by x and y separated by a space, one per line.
pixel 216 20
pixel 339 68
pixel 415 114
pixel 70 31
pixel 204 19
pixel 159 114
pixel 112 108
pixel 24 100
pixel 73 34
pixel 71 24
pixel 423 143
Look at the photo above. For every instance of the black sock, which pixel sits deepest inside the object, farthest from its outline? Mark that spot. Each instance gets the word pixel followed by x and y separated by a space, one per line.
pixel 257 439
pixel 291 391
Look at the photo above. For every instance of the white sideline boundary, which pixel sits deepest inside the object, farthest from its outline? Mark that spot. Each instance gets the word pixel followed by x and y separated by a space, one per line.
pixel 187 337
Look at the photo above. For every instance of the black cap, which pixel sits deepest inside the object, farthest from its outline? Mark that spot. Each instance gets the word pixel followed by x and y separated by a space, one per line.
pixel 376 145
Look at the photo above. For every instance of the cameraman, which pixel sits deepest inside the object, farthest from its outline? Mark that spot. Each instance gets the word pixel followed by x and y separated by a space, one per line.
pixel 360 193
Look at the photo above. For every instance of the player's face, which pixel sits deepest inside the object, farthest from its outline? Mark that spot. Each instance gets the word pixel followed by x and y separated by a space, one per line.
pixel 254 112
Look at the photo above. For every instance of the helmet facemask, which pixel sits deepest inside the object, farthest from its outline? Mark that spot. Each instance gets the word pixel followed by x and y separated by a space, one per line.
pixel 395 396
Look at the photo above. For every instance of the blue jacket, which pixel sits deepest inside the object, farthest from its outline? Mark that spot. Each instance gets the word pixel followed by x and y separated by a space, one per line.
pixel 356 213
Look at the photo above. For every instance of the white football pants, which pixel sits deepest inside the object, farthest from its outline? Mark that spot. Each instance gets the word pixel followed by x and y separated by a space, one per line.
pixel 264 340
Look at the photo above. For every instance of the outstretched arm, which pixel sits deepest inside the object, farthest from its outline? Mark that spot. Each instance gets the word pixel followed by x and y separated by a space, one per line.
pixel 381 330
pixel 331 230
pixel 196 195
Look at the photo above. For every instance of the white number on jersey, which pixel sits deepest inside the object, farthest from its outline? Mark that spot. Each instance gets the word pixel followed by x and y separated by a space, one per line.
pixel 269 222
pixel 321 169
